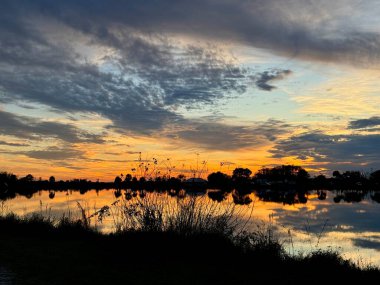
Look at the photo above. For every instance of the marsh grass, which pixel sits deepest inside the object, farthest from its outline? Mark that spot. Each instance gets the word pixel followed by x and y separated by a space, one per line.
pixel 158 240
pixel 37 224
pixel 184 216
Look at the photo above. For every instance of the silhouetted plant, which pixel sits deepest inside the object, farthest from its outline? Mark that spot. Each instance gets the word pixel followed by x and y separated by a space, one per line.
pixel 193 215
pixel 262 241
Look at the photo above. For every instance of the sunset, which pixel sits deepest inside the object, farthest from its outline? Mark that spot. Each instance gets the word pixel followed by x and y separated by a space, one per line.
pixel 87 85
pixel 150 99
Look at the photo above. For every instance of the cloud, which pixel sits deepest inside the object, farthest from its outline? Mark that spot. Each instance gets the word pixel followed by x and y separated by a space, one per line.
pixel 54 153
pixel 311 30
pixel 123 60
pixel 32 129
pixel 263 80
pixel 137 63
pixel 365 123
pixel 364 243
pixel 12 144
pixel 218 136
pixel 138 85
pixel 357 150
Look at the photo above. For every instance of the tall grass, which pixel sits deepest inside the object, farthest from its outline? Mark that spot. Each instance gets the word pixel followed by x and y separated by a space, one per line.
pixel 209 225
pixel 188 216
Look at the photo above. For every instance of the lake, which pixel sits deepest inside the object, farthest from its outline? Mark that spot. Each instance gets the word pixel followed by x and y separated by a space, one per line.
pixel 345 221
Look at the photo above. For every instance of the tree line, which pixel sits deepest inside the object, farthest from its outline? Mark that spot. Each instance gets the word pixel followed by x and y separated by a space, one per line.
pixel 279 177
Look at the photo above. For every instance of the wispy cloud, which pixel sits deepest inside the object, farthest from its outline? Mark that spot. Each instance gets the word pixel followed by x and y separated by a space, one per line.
pixel 31 128
pixel 314 30
pixel 265 78
pixel 217 136
pixel 13 144
pixel 365 123
pixel 354 150
pixel 54 153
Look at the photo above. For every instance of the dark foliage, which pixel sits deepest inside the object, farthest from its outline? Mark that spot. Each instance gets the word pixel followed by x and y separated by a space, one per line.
pixel 39 251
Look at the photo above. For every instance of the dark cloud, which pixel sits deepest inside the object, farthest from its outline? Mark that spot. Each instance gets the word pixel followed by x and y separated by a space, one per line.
pixel 12 144
pixel 358 150
pixel 152 74
pixel 25 106
pixel 150 78
pixel 315 30
pixel 263 80
pixel 365 123
pixel 54 153
pixel 68 165
pixel 147 74
pixel 365 243
pixel 217 136
pixel 31 129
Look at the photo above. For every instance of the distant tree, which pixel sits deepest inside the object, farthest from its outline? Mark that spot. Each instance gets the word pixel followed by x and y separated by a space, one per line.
pixel 6 177
pixel 284 173
pixel 320 181
pixel 375 176
pixel 219 180
pixel 321 178
pixel 28 178
pixel 353 176
pixel 302 174
pixel 241 179
pixel 7 181
pixel 181 177
pixel 336 174
pixel 241 173
pixel 117 182
pixel 128 178
pixel 52 180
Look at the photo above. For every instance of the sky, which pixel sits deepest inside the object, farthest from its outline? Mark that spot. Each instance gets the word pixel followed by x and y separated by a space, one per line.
pixel 91 89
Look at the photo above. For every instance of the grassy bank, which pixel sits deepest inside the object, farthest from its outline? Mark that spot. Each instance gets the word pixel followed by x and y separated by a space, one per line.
pixel 195 244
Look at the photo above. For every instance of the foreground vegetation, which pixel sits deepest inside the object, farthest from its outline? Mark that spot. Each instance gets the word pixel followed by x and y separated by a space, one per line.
pixel 184 243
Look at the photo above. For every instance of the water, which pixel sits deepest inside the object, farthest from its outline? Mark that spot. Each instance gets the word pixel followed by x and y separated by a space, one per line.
pixel 5 276
pixel 318 220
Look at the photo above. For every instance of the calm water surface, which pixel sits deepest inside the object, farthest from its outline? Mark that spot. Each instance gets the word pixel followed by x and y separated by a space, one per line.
pixel 350 224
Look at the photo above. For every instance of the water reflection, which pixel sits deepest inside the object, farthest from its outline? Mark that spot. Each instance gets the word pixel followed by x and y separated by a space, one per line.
pixel 347 220
pixel 284 197
pixel 351 196
pixel 217 195
pixel 376 197
pixel 241 198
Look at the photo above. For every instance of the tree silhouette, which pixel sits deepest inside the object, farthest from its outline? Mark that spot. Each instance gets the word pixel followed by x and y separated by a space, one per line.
pixel 219 180
pixel 52 180
pixel 239 173
pixel 241 179
pixel 117 182
pixel 28 178
pixel 375 178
